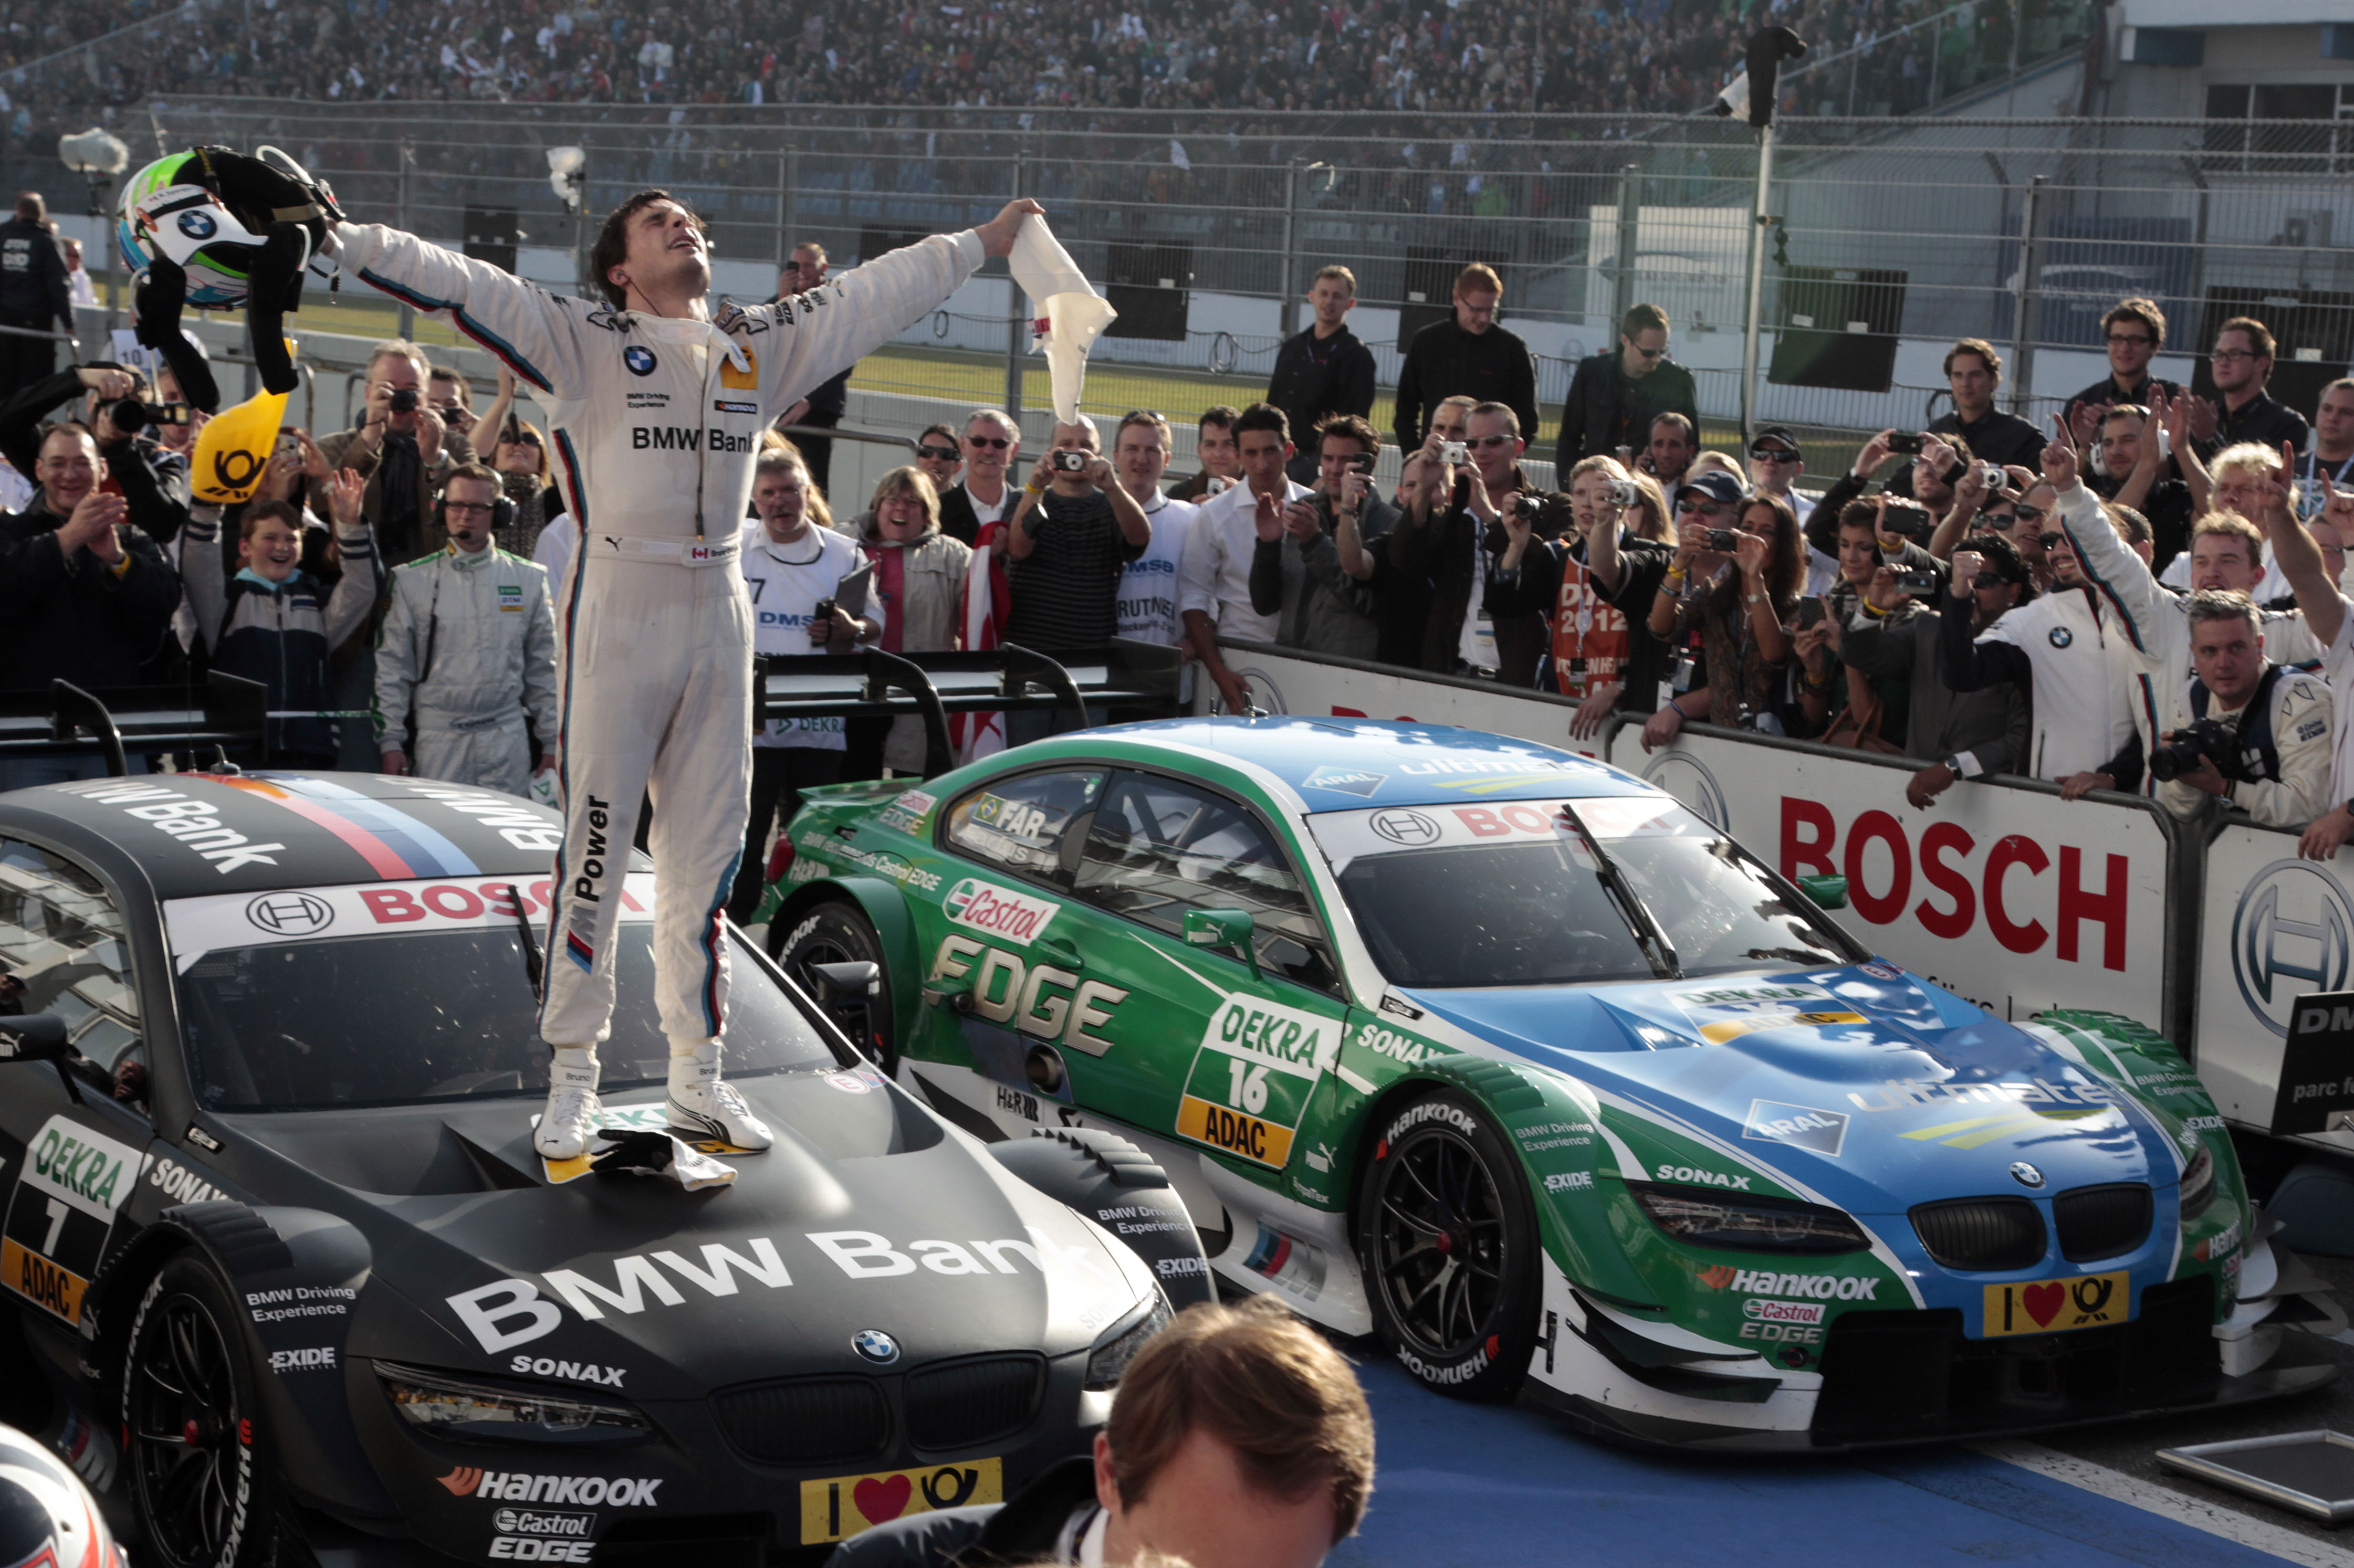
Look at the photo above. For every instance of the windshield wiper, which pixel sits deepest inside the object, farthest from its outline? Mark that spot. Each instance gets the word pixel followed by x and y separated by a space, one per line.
pixel 534 966
pixel 1648 933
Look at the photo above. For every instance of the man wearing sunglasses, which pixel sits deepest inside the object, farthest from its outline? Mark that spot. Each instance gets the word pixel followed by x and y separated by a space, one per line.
pixel 992 442
pixel 1616 394
pixel 1452 534
pixel 940 456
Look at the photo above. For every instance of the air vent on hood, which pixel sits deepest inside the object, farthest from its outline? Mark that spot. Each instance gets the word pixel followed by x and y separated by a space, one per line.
pixel 1985 1234
pixel 965 1402
pixel 805 1420
pixel 2102 1222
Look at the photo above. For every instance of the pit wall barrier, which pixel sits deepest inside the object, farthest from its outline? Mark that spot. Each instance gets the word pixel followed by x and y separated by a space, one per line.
pixel 2000 891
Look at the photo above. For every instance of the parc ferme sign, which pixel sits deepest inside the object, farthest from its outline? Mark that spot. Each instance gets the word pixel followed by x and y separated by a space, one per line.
pixel 2012 898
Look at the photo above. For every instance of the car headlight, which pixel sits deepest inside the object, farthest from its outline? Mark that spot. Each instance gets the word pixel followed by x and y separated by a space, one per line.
pixel 2198 1183
pixel 447 1405
pixel 1747 1225
pixel 1119 1344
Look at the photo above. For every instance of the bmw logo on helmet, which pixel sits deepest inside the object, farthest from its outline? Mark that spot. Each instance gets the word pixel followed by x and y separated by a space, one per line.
pixel 199 225
pixel 2062 637
pixel 640 361
pixel 875 1346
pixel 2026 1175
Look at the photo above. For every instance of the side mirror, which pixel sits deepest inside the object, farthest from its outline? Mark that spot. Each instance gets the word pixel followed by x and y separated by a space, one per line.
pixel 838 983
pixel 1224 928
pixel 36 1037
pixel 1828 892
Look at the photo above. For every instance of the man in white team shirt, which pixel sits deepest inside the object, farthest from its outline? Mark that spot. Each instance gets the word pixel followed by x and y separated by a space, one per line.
pixel 2330 616
pixel 1149 587
pixel 656 408
pixel 792 565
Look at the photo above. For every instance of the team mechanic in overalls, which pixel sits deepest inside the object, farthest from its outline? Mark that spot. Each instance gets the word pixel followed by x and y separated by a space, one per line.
pixel 657 411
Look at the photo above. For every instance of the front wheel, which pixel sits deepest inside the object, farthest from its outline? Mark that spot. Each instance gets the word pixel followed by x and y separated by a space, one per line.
pixel 836 933
pixel 1446 1236
pixel 200 1478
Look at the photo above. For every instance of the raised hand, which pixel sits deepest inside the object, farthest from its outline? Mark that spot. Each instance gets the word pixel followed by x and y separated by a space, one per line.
pixel 2059 458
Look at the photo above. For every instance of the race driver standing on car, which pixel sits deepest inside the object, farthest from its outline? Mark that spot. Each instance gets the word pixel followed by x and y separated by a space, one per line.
pixel 657 411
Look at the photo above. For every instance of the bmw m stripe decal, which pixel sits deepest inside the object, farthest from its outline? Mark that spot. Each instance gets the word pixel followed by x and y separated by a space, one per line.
pixel 393 844
pixel 489 340
pixel 580 954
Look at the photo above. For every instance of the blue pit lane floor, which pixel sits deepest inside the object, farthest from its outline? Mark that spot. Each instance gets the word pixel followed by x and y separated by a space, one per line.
pixel 1470 1485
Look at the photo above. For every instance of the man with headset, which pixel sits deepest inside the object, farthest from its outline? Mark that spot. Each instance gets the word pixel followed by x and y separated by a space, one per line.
pixel 467 654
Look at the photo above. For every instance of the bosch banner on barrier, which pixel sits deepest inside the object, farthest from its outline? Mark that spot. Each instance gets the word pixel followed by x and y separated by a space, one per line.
pixel 2011 897
pixel 2276 928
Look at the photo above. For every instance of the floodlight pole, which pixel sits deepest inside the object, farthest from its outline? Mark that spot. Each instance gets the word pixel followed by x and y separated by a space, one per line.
pixel 1764 220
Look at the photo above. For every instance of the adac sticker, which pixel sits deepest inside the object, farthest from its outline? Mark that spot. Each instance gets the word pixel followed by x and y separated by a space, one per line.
pixel 1253 1072
pixel 73 1183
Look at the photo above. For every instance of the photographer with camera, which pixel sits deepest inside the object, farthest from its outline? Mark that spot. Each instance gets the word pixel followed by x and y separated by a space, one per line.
pixel 1740 564
pixel 1588 588
pixel 403 448
pixel 118 411
pixel 1450 534
pixel 1073 534
pixel 1296 576
pixel 2246 730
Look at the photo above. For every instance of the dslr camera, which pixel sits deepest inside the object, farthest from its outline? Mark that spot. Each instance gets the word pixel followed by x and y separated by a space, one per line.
pixel 2211 737
pixel 130 415
pixel 1528 508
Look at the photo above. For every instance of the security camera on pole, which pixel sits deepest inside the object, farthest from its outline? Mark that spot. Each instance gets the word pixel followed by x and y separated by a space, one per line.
pixel 1753 91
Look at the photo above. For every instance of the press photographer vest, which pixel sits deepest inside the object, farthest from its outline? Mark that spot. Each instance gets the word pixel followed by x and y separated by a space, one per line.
pixel 2259 756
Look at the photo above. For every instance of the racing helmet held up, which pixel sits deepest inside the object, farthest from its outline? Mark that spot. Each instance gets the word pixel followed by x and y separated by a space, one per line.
pixel 48 1518
pixel 217 229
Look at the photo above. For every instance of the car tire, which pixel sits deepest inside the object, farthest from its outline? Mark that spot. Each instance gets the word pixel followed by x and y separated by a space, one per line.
pixel 202 1479
pixel 1446 1236
pixel 834 932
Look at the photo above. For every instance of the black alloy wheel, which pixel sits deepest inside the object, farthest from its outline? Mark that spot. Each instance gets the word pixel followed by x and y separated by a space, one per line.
pixel 199 1484
pixel 1449 1244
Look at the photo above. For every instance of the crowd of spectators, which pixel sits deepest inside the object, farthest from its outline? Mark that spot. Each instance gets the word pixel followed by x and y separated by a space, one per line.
pixel 2143 597
pixel 1627 56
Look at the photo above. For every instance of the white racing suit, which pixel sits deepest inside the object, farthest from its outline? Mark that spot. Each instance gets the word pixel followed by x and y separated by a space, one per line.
pixel 468 652
pixel 656 424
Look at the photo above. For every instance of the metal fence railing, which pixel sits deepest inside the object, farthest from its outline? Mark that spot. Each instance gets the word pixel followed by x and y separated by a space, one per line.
pixel 1894 234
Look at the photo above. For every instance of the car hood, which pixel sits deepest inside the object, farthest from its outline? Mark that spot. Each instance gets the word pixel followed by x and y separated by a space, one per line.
pixel 867 1214
pixel 1862 1086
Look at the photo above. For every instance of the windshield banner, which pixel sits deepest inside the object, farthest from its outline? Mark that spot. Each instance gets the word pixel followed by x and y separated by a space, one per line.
pixel 1345 835
pixel 199 925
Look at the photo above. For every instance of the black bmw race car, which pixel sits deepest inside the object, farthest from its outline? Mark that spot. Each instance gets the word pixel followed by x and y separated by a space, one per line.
pixel 277 1236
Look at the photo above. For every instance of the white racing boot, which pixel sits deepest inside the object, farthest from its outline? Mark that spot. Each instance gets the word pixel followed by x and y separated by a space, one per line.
pixel 569 1123
pixel 702 1106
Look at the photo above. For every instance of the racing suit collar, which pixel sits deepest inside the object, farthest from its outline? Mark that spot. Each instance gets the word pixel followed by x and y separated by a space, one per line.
pixel 467 563
pixel 688 330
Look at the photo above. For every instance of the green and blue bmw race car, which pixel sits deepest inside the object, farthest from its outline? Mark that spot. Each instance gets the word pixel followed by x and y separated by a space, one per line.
pixel 1504 1057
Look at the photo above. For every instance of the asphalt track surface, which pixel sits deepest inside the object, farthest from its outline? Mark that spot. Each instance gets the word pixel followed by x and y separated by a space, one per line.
pixel 1469 1486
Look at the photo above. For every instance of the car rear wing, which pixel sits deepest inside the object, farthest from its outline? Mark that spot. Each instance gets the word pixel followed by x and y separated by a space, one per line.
pixel 227 712
pixel 1120 682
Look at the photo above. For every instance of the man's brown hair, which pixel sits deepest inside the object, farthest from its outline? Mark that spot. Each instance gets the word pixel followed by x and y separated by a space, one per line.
pixel 1980 347
pixel 1479 279
pixel 612 247
pixel 1349 426
pixel 30 206
pixel 2260 336
pixel 1640 319
pixel 2146 311
pixel 1264 1384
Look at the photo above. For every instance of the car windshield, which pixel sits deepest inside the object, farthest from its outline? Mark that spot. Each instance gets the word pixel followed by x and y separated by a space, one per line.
pixel 392 995
pixel 1510 894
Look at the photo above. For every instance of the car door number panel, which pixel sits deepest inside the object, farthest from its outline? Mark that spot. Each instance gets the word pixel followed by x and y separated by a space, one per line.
pixel 74 1182
pixel 1253 1073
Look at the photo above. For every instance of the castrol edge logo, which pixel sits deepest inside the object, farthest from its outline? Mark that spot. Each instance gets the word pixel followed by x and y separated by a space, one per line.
pixel 998 911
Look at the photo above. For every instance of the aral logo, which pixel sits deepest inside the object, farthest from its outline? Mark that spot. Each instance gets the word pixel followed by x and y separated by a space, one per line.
pixel 1000 911
pixel 1345 780
pixel 1800 1127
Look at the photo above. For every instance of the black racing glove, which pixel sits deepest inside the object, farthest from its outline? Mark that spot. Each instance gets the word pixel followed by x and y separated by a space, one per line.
pixel 158 297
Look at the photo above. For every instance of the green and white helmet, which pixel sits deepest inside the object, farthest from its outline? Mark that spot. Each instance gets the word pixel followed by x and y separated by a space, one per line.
pixel 186 208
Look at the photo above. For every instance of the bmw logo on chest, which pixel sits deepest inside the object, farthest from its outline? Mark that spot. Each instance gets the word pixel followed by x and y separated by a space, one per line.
pixel 875 1346
pixel 640 361
pixel 2062 637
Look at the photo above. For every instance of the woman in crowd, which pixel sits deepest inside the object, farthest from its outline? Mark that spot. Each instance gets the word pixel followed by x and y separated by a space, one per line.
pixel 1727 609
pixel 917 593
pixel 517 449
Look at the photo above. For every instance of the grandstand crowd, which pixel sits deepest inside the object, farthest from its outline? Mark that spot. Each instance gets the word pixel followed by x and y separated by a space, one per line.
pixel 2145 597
pixel 1241 56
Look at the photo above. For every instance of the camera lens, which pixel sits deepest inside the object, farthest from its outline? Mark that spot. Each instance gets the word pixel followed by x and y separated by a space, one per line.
pixel 2171 759
pixel 404 400
pixel 129 415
